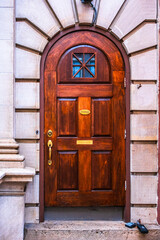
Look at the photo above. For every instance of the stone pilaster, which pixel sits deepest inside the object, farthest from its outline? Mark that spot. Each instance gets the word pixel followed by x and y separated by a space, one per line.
pixel 13 173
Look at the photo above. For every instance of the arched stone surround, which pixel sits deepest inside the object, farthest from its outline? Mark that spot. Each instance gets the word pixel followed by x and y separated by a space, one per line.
pixel 42 22
pixel 134 24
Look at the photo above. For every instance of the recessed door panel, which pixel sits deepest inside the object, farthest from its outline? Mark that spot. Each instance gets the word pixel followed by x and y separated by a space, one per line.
pixel 102 116
pixel 67 117
pixel 67 170
pixel 101 170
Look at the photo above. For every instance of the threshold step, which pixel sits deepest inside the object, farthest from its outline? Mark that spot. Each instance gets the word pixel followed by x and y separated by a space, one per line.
pixel 88 230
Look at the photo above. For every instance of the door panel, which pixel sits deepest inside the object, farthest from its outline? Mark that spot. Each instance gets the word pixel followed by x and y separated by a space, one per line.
pixel 102 116
pixel 84 171
pixel 101 170
pixel 84 121
pixel 67 171
pixel 98 143
pixel 86 113
pixel 94 90
pixel 67 116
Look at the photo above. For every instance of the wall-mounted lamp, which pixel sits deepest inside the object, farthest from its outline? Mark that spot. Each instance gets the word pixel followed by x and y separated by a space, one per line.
pixel 86 1
pixel 91 4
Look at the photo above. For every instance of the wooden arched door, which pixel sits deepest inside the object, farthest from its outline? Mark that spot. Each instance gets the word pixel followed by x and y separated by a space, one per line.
pixel 84 122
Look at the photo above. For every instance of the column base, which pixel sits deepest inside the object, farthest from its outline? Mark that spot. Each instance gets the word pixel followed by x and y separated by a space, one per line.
pixel 13 179
pixel 9 155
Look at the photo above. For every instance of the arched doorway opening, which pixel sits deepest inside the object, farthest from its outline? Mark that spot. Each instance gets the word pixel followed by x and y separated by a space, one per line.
pixel 84 121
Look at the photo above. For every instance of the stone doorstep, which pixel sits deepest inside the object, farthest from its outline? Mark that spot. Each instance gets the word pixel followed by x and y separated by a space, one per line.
pixel 88 230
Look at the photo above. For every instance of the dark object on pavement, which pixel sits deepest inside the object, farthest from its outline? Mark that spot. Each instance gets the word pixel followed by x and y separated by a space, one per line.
pixel 141 227
pixel 130 225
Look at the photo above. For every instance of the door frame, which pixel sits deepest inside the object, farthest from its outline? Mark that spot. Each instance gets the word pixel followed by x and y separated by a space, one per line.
pixel 127 99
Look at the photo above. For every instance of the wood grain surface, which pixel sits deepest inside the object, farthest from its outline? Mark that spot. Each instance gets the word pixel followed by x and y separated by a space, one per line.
pixel 85 174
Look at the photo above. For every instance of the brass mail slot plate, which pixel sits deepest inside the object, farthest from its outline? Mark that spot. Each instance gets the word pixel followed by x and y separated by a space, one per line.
pixel 84 142
pixel 84 111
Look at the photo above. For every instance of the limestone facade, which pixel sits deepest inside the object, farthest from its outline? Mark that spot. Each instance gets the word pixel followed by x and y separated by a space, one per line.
pixel 26 27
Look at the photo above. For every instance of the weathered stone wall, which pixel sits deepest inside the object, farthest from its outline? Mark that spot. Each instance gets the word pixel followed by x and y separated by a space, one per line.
pixel 6 68
pixel 13 173
pixel 131 21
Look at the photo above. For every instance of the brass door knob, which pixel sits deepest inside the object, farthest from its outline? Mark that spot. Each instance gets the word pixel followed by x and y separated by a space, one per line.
pixel 49 133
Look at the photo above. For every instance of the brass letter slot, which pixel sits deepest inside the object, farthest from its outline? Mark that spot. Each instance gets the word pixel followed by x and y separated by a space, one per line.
pixel 84 142
pixel 84 111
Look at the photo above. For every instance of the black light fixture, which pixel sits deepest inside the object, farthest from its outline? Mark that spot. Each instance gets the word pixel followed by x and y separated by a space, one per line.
pixel 91 4
pixel 86 1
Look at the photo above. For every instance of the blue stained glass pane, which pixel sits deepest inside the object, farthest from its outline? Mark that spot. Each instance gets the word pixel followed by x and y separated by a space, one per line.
pixel 87 74
pixel 92 69
pixel 87 56
pixel 75 61
pixel 91 61
pixel 79 74
pixel 77 64
pixel 79 56
pixel 75 69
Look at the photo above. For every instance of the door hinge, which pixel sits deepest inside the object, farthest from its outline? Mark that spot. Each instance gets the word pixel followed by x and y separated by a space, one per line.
pixel 125 82
pixel 125 134
pixel 125 185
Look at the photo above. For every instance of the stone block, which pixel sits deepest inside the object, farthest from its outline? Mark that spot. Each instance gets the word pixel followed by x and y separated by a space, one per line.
pixel 31 215
pixel 29 37
pixel 144 189
pixel 27 125
pixel 6 89
pixel 11 157
pixel 74 11
pixel 27 64
pixel 31 153
pixel 12 189
pixel 6 3
pixel 6 126
pixel 8 151
pixel 148 32
pixel 132 14
pixel 147 215
pixel 107 12
pixel 32 191
pixel 12 217
pixel 143 97
pixel 27 95
pixel 144 157
pixel 144 65
pixel 6 23
pixel 8 145
pixel 85 12
pixel 12 164
pixel 18 175
pixel 144 127
pixel 64 11
pixel 6 52
pixel 39 14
